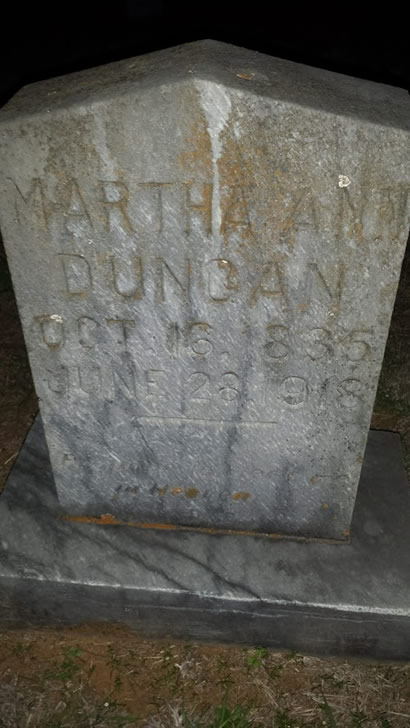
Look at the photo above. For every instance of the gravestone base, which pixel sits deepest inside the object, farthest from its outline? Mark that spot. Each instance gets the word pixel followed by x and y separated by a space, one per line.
pixel 317 597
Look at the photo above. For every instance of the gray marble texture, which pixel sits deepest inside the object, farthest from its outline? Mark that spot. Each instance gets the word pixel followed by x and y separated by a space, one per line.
pixel 205 245
pixel 314 596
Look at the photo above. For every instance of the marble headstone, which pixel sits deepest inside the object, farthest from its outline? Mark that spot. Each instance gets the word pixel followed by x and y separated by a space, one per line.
pixel 205 244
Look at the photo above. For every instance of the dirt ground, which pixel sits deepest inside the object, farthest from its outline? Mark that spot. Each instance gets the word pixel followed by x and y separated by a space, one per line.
pixel 107 676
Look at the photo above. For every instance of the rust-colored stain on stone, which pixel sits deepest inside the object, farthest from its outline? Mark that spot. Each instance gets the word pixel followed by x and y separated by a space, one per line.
pixel 241 495
pixel 246 76
pixel 107 519
pixel 161 526
pixel 177 490
pixel 196 157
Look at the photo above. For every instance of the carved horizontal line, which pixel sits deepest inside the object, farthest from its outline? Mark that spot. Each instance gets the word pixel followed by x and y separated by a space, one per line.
pixel 193 420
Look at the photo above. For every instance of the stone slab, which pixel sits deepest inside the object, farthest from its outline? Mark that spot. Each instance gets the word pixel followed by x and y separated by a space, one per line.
pixel 205 245
pixel 324 598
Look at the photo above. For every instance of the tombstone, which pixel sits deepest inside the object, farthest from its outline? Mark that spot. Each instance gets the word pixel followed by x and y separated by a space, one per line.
pixel 205 245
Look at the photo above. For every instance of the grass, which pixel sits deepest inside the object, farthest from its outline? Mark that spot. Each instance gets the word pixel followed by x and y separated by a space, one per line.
pixel 255 658
pixel 221 717
pixel 105 677
pixel 68 668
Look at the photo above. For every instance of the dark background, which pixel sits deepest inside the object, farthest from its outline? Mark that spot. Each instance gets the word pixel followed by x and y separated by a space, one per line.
pixel 40 41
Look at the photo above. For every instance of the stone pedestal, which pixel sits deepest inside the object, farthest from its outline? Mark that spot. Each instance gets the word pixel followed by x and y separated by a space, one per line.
pixel 324 598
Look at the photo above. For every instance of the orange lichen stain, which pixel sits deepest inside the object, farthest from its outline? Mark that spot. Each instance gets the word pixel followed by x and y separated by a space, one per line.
pixel 241 495
pixel 196 157
pixel 247 76
pixel 202 325
pixel 325 505
pixel 177 490
pixel 162 491
pixel 109 520
pixel 191 493
pixel 104 520
pixel 313 480
pixel 235 177
pixel 356 231
pixel 161 526
pixel 346 533
pixel 246 198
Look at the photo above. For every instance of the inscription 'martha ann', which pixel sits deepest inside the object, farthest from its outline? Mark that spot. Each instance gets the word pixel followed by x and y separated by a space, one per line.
pixel 114 205
pixel 205 264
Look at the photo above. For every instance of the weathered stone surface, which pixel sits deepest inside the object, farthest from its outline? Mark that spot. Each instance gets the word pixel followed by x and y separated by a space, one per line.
pixel 295 595
pixel 205 245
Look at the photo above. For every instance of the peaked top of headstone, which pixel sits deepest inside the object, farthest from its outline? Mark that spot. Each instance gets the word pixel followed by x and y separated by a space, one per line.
pixel 252 72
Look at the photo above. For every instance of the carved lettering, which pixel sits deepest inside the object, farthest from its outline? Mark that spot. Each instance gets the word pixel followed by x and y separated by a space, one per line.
pixel 87 331
pixel 167 278
pixel 330 283
pixel 199 386
pixel 33 203
pixel 198 206
pixel 121 328
pixel 123 381
pixel 235 211
pixel 52 331
pixel 302 214
pixel 173 339
pixel 229 389
pixel 269 285
pixel 294 391
pixel 349 393
pixel 382 214
pixel 89 378
pixel 351 215
pixel 57 380
pixel 318 343
pixel 223 279
pixel 77 219
pixel 77 274
pixel 128 277
pixel 356 346
pixel 115 198
pixel 154 379
pixel 278 345
pixel 201 346
pixel 157 189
